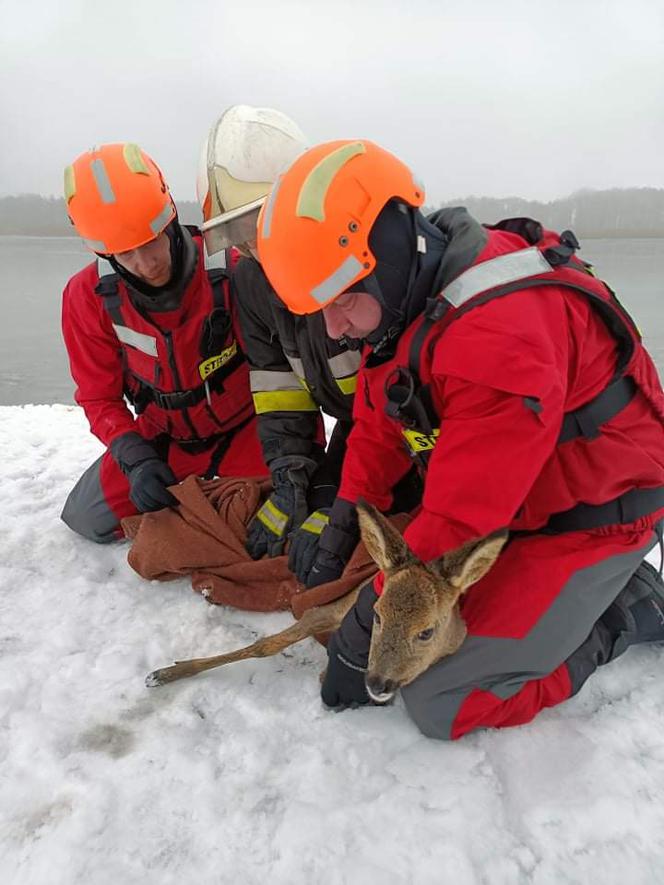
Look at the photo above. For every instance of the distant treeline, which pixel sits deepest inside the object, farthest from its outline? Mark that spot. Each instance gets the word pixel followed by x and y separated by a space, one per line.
pixel 32 215
pixel 620 212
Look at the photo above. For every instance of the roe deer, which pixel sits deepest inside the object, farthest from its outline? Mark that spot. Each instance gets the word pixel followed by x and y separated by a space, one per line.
pixel 417 618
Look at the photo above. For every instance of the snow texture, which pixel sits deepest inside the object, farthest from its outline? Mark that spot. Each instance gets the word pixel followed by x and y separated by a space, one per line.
pixel 240 775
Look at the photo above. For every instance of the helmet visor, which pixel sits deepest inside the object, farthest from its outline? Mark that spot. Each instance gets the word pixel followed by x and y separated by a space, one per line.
pixel 234 228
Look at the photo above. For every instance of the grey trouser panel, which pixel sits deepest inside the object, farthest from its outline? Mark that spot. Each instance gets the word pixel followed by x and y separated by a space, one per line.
pixel 504 665
pixel 86 510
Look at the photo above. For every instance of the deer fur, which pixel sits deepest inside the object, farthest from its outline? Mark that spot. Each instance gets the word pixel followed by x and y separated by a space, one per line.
pixel 417 619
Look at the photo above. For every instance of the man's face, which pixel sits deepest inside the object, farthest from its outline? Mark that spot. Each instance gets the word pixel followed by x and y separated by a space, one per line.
pixel 151 263
pixel 353 314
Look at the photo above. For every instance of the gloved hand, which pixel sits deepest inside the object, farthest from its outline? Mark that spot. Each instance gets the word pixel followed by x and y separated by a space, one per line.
pixel 325 568
pixel 343 684
pixel 348 653
pixel 148 474
pixel 286 506
pixel 304 543
pixel 335 547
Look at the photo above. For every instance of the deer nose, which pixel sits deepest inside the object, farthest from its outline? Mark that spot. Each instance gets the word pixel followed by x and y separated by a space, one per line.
pixel 380 690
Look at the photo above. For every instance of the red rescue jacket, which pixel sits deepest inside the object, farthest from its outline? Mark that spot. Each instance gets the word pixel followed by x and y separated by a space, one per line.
pixel 182 369
pixel 501 379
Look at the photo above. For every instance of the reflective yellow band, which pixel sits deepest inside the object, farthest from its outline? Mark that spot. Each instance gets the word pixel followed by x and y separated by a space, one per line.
pixel 70 183
pixel 133 159
pixel 207 367
pixel 311 199
pixel 347 385
pixel 284 401
pixel 420 442
pixel 272 518
pixel 315 522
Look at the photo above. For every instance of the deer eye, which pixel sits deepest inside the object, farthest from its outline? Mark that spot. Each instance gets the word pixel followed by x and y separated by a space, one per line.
pixel 377 619
pixel 425 635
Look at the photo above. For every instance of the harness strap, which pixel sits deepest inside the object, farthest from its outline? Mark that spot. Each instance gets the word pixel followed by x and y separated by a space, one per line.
pixel 179 399
pixel 216 328
pixel 587 420
pixel 623 510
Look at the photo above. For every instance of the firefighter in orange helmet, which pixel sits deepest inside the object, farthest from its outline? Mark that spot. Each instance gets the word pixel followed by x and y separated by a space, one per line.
pixel 497 361
pixel 149 321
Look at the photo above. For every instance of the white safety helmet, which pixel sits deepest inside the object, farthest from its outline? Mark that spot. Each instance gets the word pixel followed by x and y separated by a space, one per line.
pixel 245 151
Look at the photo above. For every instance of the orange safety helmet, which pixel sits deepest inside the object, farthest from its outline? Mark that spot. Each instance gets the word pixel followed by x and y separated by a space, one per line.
pixel 313 230
pixel 117 198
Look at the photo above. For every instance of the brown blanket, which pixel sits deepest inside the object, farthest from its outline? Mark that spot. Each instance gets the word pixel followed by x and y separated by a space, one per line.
pixel 204 537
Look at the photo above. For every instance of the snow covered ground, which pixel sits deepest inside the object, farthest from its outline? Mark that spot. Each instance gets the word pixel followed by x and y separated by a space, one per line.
pixel 239 775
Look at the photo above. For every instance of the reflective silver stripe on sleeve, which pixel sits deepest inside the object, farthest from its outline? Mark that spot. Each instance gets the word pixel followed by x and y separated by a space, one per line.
pixel 495 272
pixel 297 364
pixel 345 363
pixel 259 380
pixel 159 223
pixel 337 281
pixel 269 208
pixel 102 181
pixel 145 343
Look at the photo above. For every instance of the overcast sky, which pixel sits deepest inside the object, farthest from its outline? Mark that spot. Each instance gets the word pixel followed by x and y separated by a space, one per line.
pixel 495 97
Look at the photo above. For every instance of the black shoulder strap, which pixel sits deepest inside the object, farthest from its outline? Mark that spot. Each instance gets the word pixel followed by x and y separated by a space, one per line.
pixel 107 287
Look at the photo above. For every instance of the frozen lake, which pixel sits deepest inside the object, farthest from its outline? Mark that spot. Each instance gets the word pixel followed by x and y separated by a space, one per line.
pixel 33 367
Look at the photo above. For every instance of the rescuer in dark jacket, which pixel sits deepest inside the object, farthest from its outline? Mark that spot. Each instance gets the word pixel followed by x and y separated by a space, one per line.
pixel 297 372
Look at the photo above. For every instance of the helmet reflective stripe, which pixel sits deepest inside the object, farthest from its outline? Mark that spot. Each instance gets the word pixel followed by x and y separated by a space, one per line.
pixel 337 281
pixel 145 343
pixel 132 157
pixel 70 183
pixel 311 200
pixel 102 181
pixel 159 223
pixel 268 209
pixel 496 272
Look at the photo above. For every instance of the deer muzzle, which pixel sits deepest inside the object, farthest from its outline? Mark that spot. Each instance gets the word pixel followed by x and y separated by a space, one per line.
pixel 380 690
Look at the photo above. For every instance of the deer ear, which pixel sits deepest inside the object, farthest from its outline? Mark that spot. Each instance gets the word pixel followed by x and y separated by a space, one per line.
pixel 465 566
pixel 386 546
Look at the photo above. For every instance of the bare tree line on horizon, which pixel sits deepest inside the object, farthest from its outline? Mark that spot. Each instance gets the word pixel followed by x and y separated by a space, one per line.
pixel 618 212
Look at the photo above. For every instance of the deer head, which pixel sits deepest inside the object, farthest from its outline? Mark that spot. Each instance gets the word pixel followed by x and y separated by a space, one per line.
pixel 417 619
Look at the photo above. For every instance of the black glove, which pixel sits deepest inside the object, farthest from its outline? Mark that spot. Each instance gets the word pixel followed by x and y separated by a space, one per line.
pixel 286 507
pixel 148 474
pixel 304 543
pixel 305 539
pixel 337 542
pixel 343 685
pixel 348 653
